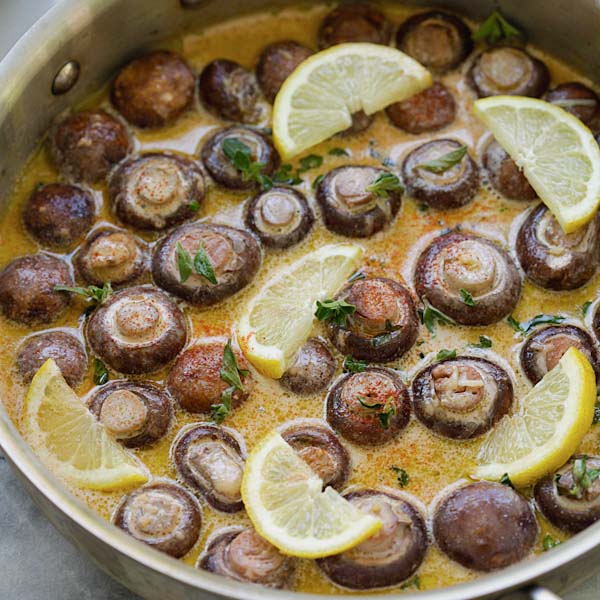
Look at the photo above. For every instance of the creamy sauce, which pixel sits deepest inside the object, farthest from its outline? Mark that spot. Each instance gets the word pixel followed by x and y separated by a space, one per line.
pixel 432 462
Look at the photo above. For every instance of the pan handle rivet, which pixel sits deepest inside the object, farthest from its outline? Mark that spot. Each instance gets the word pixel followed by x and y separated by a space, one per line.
pixel 65 78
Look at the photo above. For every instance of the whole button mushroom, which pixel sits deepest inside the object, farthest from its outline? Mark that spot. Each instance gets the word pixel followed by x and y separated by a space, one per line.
pixel 233 254
pixel 508 71
pixel 429 110
pixel 63 347
pixel 162 515
pixel 439 40
pixel 361 121
pixel 461 398
pixel 311 370
pixel 239 553
pixel 27 293
pixel 356 22
pixel 443 186
pixel 156 190
pixel 111 254
pixel 276 63
pixel 544 348
pixel 57 215
pixel 259 148
pixel 280 217
pixel 86 145
pixel 211 460
pixel 153 90
pixel 554 259
pixel 195 380
pixel 230 91
pixel 390 556
pixel 505 175
pixel 350 203
pixel 368 408
pixel 137 413
pixel 485 526
pixel 567 499
pixel 320 449
pixel 468 278
pixel 384 324
pixel 579 100
pixel 137 330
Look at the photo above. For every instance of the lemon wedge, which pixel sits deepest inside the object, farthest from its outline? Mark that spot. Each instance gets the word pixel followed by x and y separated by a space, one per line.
pixel 557 152
pixel 279 319
pixel 288 507
pixel 555 416
pixel 69 439
pixel 319 98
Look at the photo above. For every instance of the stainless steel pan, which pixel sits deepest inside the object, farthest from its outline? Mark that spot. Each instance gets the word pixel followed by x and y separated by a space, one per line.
pixel 84 41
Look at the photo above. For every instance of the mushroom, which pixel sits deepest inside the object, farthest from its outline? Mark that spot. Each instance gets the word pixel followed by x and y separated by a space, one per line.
pixel 311 370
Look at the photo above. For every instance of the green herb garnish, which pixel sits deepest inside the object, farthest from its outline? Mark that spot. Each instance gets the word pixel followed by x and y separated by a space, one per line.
pixel 430 315
pixel 387 411
pixel 505 480
pixel 385 417
pixel 414 582
pixel 496 28
pixel 583 478
pixel 466 297
pixel 312 161
pixel 200 264
pixel 338 152
pixel 317 181
pixel 549 542
pixel 585 307
pixel 444 162
pixel 100 372
pixel 515 324
pixel 352 365
pixel 528 326
pixel 194 205
pixel 444 354
pixel 240 156
pixel 384 184
pixel 334 311
pixel 484 342
pixel 401 475
pixel 92 292
pixel 230 373
pixel 284 175
pixel 370 405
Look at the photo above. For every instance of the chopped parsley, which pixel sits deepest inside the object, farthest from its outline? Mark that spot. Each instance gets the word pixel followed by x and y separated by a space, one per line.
pixel 549 542
pixel 528 326
pixel 318 180
pixel 338 152
pixel 466 297
pixel 92 292
pixel 334 311
pixel 364 402
pixel 495 29
pixel 414 582
pixel 230 373
pixel 585 307
pixel 200 264
pixel 240 156
pixel 401 475
pixel 445 354
pixel 194 206
pixel 386 411
pixel 430 315
pixel 384 184
pixel 100 372
pixel 285 175
pixel 312 161
pixel 484 342
pixel 352 365
pixel 444 162
pixel 505 480
pixel 385 417
pixel 583 478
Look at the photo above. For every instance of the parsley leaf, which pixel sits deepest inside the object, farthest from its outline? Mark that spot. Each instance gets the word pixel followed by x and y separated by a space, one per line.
pixel 240 156
pixel 401 475
pixel 484 342
pixel 352 365
pixel 585 307
pixel 334 311
pixel 200 264
pixel 430 315
pixel 371 405
pixel 100 372
pixel 385 417
pixel 466 297
pixel 338 152
pixel 444 162
pixel 194 205
pixel 505 480
pixel 185 263
pixel 583 478
pixel 387 411
pixel 549 542
pixel 515 324
pixel 496 28
pixel 312 161
pixel 385 183
pixel 317 181
pixel 92 292
pixel 229 373
pixel 445 354
pixel 414 582
pixel 285 175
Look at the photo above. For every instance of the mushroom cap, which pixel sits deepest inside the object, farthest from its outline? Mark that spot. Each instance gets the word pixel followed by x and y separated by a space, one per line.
pixel 233 253
pixel 461 397
pixel 137 330
pixel 311 370
pixel 458 261
pixel 390 556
